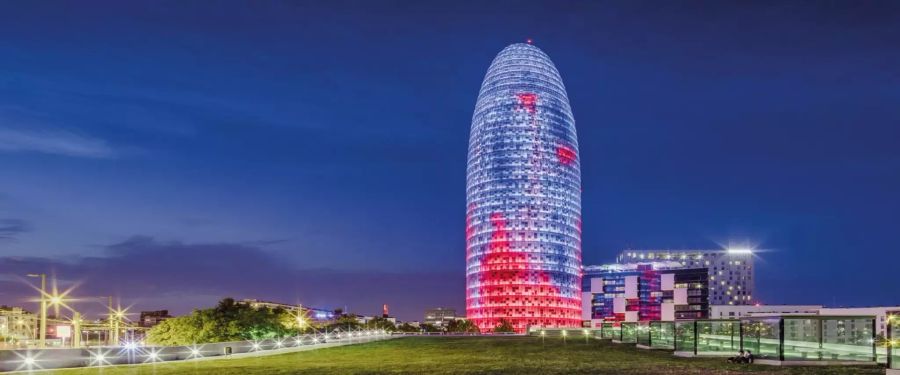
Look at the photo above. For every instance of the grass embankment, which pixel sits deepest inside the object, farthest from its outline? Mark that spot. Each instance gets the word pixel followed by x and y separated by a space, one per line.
pixel 471 355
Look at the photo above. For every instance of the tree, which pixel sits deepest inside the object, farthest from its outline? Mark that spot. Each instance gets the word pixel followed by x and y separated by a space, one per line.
pixel 381 323
pixel 504 327
pixel 345 322
pixel 462 326
pixel 425 327
pixel 406 327
pixel 228 321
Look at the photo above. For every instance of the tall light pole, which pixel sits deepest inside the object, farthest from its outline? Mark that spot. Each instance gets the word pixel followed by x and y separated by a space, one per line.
pixel 43 330
pixel 76 329
pixel 109 338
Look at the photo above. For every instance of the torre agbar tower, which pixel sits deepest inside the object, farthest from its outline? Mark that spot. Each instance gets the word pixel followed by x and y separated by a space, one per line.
pixel 523 190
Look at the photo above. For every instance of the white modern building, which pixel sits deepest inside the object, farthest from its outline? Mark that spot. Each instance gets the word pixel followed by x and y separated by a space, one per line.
pixel 736 312
pixel 730 271
pixel 880 313
pixel 440 316
pixel 741 311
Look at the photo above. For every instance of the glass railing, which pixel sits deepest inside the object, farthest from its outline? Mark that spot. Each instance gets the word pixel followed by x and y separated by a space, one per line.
pixel 718 336
pixel 762 337
pixel 662 335
pixel 609 331
pixel 781 338
pixel 893 340
pixel 684 336
pixel 846 339
pixel 629 333
pixel 643 333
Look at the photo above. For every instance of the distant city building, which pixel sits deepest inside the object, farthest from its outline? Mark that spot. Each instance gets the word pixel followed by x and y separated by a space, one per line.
pixel 523 196
pixel 366 319
pixel 17 323
pixel 320 315
pixel 879 312
pixel 741 311
pixel 644 291
pixel 730 271
pixel 151 318
pixel 439 317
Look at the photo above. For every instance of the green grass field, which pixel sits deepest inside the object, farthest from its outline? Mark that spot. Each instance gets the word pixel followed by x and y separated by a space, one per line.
pixel 470 355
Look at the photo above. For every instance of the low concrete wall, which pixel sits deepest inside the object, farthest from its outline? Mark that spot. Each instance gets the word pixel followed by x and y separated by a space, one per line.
pixel 34 359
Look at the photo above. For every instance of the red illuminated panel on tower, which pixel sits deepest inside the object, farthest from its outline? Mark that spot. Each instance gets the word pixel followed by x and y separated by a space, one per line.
pixel 528 101
pixel 566 155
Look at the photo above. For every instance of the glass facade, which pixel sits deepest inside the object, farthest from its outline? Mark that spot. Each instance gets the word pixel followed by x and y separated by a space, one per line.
pixel 523 189
pixel 640 288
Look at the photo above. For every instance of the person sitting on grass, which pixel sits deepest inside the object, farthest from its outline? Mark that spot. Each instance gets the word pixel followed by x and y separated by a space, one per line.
pixel 748 357
pixel 738 358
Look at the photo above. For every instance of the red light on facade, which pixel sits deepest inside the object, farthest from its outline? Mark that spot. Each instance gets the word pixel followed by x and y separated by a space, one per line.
pixel 506 273
pixel 566 155
pixel 528 101
pixel 529 41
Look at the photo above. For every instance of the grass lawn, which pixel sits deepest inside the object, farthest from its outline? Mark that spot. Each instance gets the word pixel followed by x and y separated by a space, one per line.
pixel 470 355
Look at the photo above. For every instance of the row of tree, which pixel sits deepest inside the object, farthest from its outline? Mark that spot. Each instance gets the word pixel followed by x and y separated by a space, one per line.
pixel 233 321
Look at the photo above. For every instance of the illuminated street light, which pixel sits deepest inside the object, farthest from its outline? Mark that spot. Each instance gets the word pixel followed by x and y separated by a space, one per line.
pixel 98 358
pixel 153 355
pixel 28 362
pixel 43 329
pixel 117 316
pixel 195 351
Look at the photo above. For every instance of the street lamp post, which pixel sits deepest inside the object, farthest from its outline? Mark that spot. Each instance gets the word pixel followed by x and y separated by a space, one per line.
pixel 76 330
pixel 43 330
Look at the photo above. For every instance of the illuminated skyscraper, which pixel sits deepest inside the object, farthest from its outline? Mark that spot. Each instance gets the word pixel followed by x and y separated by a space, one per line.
pixel 523 189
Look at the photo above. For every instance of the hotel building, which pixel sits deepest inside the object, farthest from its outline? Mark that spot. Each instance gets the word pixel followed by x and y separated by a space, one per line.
pixel 730 271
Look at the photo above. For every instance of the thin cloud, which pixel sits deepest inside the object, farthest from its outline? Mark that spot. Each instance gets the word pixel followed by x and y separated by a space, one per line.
pixel 11 228
pixel 55 142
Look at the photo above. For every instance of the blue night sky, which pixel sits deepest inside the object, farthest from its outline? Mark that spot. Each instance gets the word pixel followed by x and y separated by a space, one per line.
pixel 173 153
